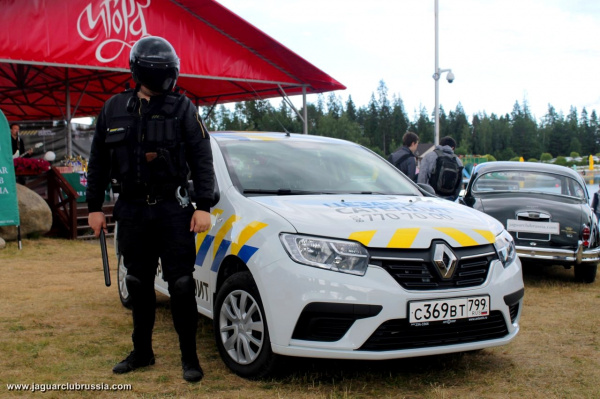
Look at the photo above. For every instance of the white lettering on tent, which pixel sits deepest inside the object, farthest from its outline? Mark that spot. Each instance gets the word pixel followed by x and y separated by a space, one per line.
pixel 3 190
pixel 122 22
pixel 3 170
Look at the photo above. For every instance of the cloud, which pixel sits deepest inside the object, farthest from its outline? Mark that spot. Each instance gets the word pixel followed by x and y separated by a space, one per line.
pixel 500 51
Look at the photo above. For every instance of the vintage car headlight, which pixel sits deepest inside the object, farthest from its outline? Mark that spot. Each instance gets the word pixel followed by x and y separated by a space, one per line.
pixel 340 256
pixel 505 246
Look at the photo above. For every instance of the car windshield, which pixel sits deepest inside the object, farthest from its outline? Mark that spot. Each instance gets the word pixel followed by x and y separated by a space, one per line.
pixel 528 181
pixel 296 167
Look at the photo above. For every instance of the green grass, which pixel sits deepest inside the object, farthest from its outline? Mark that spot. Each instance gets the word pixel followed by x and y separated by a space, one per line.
pixel 60 324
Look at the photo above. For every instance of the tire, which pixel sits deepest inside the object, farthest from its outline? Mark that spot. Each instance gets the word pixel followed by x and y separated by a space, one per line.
pixel 586 273
pixel 241 330
pixel 123 291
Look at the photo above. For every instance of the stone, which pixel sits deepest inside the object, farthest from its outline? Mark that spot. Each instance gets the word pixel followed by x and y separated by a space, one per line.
pixel 2 243
pixel 34 213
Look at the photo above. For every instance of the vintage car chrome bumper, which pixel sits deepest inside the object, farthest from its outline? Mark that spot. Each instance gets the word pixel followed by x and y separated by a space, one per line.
pixel 581 255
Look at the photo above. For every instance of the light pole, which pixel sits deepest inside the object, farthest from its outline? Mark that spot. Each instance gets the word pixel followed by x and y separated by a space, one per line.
pixel 436 76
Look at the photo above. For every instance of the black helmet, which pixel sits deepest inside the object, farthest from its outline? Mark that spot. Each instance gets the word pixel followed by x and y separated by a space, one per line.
pixel 154 64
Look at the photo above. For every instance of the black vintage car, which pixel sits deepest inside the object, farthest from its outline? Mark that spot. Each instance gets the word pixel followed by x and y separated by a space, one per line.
pixel 545 208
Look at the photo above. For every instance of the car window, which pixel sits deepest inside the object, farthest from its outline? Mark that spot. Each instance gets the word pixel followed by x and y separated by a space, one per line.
pixel 311 167
pixel 528 181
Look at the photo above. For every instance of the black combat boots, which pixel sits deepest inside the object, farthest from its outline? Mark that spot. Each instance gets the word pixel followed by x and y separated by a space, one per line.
pixel 185 320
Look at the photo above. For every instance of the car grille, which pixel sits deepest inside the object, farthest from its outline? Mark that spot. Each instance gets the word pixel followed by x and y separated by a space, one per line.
pixel 399 334
pixel 414 269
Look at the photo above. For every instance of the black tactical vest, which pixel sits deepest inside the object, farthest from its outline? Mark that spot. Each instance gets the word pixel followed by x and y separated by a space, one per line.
pixel 146 143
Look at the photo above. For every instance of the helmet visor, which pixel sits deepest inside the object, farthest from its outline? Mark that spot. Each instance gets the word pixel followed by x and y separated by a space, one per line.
pixel 157 80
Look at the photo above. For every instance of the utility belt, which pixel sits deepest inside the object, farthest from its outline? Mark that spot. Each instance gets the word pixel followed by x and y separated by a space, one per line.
pixel 152 195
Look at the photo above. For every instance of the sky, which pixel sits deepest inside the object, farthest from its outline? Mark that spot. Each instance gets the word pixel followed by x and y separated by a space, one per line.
pixel 501 51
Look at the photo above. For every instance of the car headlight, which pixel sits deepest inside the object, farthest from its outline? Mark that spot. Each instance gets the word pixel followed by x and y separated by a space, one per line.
pixel 505 247
pixel 337 255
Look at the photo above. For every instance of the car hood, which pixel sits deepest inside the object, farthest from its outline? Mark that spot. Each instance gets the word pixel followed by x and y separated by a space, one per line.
pixel 385 221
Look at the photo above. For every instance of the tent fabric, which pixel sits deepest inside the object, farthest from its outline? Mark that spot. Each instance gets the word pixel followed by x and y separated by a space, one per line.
pixel 47 46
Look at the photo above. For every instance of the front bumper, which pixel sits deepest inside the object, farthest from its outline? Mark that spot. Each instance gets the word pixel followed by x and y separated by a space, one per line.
pixel 381 302
pixel 580 255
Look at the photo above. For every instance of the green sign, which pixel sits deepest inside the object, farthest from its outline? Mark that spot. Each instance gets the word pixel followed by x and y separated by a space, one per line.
pixel 9 205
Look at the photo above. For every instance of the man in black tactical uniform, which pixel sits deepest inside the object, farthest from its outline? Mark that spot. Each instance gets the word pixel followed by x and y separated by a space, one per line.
pixel 147 140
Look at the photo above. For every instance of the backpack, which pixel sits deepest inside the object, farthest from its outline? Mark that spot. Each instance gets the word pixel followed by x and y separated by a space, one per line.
pixel 399 160
pixel 446 175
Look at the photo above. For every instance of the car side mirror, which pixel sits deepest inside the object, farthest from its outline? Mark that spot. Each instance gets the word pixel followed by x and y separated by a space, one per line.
pixel 427 188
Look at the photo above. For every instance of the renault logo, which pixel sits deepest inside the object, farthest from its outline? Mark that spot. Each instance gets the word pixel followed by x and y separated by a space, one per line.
pixel 445 260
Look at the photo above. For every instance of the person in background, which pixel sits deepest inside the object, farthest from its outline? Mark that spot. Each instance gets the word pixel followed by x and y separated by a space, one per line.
pixel 442 170
pixel 404 158
pixel 147 140
pixel 18 148
pixel 596 203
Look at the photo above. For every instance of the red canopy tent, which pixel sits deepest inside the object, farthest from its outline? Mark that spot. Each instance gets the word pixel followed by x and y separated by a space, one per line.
pixel 61 59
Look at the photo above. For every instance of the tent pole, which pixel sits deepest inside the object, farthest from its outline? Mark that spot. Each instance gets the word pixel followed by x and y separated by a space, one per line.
pixel 289 102
pixel 304 111
pixel 68 105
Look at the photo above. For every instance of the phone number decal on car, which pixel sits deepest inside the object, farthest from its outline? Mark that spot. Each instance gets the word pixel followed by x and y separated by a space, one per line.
pixel 448 309
pixel 376 217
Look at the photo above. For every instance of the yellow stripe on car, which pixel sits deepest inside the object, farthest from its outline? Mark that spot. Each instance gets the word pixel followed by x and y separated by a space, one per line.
pixel 201 236
pixel 245 235
pixel 459 236
pixel 488 235
pixel 404 238
pixel 364 237
pixel 223 231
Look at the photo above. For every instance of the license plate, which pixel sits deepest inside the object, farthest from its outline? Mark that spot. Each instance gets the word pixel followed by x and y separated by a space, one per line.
pixel 448 309
pixel 525 226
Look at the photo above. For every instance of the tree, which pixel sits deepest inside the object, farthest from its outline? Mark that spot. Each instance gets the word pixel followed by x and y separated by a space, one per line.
pixel 459 129
pixel 482 142
pixel 423 126
pixel 350 110
pixel 334 106
pixel 524 138
pixel 561 161
pixel 546 157
pixel 400 123
pixel 501 134
pixel 371 119
pixel 380 125
pixel 384 125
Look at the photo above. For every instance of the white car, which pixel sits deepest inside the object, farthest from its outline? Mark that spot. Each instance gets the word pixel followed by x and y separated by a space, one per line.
pixel 320 248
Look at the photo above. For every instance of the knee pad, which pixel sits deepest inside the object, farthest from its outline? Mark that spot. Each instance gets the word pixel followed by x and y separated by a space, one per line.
pixel 182 286
pixel 136 286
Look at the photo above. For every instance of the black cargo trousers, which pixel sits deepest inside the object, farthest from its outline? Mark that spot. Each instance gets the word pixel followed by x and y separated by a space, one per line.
pixel 149 230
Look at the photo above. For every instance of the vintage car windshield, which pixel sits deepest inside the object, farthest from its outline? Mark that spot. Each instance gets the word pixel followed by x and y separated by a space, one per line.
pixel 528 181
pixel 296 167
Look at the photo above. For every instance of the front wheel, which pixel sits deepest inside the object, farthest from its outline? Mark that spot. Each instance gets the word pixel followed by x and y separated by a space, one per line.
pixel 123 291
pixel 240 328
pixel 586 273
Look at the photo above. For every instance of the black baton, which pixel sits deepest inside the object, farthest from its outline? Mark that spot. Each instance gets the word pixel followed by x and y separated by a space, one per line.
pixel 104 258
